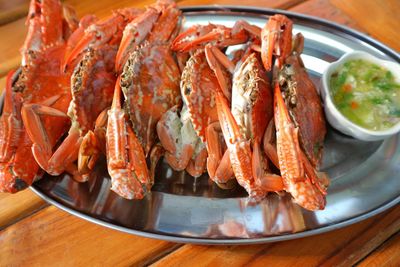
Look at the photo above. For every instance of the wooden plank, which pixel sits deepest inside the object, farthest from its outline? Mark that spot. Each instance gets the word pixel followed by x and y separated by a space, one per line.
pixel 347 246
pixel 386 255
pixel 12 10
pixel 12 38
pixel 280 4
pixel 102 8
pixel 379 18
pixel 14 207
pixel 381 21
pixel 324 9
pixel 52 236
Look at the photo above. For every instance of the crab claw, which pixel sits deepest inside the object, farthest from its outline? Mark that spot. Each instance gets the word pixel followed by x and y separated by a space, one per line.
pixel 96 34
pixel 45 27
pixel 276 40
pixel 239 148
pixel 125 156
pixel 134 33
pixel 198 36
pixel 75 38
pixel 184 38
pixel 221 36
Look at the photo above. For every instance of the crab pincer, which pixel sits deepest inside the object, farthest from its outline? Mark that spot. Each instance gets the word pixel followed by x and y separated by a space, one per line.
pixel 276 40
pixel 125 156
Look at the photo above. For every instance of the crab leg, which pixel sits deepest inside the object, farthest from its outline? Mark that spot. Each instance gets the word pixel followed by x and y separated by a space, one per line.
pixel 214 58
pixel 155 155
pixel 93 143
pixel 197 165
pixel 126 160
pixel 240 25
pixel 74 39
pixel 218 163
pixel 180 42
pixel 270 143
pixel 65 154
pixel 239 148
pixel 266 180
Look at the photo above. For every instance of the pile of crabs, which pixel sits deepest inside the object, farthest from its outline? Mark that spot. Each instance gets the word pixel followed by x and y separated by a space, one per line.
pixel 137 86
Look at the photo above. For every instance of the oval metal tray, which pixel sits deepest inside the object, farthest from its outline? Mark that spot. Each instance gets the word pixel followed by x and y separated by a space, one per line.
pixel 365 176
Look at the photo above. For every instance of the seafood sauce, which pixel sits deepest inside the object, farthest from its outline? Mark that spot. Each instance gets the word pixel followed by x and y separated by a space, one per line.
pixel 366 94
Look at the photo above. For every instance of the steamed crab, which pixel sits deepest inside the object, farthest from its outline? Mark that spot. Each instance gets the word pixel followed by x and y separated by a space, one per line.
pixel 298 115
pixel 39 84
pixel 198 82
pixel 150 83
pixel 92 85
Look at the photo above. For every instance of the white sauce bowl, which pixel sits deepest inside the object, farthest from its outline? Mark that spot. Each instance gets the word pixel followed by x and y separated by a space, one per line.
pixel 336 118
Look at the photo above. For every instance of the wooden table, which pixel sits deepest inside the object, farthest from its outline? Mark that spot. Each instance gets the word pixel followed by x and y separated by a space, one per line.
pixel 33 232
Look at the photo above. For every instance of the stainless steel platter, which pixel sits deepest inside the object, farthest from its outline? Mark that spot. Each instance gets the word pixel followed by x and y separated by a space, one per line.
pixel 365 176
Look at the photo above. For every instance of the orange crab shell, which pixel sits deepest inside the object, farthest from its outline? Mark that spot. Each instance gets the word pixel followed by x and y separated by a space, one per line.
pixel 198 87
pixel 150 82
pixel 252 100
pixel 92 86
pixel 305 108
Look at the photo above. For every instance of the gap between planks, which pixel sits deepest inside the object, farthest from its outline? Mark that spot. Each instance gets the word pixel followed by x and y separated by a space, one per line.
pixel 179 246
pixel 385 255
pixel 16 207
pixel 342 247
pixel 393 239
pixel 65 238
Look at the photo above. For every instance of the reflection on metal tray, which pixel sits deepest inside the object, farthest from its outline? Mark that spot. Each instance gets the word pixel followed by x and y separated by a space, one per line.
pixel 365 176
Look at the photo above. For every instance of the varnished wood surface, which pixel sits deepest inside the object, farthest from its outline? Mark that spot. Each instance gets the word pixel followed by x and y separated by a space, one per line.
pixel 33 233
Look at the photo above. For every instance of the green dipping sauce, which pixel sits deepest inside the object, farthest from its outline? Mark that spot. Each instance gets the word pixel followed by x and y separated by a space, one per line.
pixel 366 94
